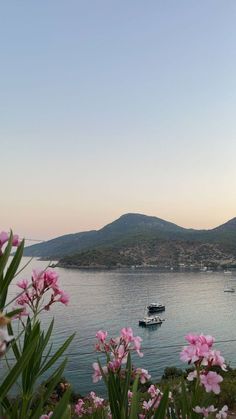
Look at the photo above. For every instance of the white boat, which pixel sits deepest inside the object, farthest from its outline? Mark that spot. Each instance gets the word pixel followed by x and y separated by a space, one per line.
pixel 203 268
pixel 227 272
pixel 229 289
pixel 155 308
pixel 150 320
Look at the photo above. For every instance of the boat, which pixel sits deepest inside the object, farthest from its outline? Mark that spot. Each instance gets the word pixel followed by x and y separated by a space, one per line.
pixel 155 308
pixel 227 272
pixel 229 289
pixel 150 320
pixel 203 268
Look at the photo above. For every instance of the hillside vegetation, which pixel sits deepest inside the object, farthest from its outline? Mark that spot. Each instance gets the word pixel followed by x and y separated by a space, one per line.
pixel 136 239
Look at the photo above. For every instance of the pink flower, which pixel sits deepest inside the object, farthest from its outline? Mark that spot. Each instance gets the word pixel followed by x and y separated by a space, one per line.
pixel 15 240
pixel 143 375
pixel 137 345
pixel 206 339
pixel 101 335
pixel 130 395
pixel 22 284
pixel 97 375
pixel 46 416
pixel 193 353
pixel 127 334
pixel 23 299
pixel 98 401
pixel 153 391
pixel 192 338
pixel 115 365
pixel 204 410
pixel 147 405
pixel 64 298
pixel 216 359
pixel 79 408
pixel 192 375
pixel 222 414
pixel 211 381
pixel 189 354
pixel 4 237
pixel 50 278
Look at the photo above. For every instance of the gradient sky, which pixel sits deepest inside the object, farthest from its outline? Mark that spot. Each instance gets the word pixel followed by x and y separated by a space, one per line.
pixel 108 107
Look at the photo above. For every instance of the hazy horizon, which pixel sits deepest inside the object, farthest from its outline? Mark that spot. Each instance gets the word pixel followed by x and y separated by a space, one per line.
pixel 116 108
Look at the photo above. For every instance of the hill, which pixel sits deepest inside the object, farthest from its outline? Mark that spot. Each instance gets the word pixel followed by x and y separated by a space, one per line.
pixel 122 228
pixel 137 239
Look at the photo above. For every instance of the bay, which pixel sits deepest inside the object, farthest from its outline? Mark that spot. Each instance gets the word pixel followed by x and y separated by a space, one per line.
pixel 110 300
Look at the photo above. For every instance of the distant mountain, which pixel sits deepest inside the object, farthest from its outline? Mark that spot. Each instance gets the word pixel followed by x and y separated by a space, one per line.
pixel 140 239
pixel 124 227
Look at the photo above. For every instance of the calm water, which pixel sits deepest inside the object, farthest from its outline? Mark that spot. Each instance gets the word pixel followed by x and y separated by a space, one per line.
pixel 111 300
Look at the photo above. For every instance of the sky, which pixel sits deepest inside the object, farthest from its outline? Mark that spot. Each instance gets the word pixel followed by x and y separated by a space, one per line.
pixel 111 107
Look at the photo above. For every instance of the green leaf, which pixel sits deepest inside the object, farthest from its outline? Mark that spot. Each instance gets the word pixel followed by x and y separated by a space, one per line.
pixel 126 384
pixel 13 343
pixel 57 354
pixel 16 370
pixel 49 386
pixel 62 406
pixel 11 272
pixel 45 339
pixel 184 401
pixel 4 258
pixel 14 313
pixel 135 400
pixel 161 411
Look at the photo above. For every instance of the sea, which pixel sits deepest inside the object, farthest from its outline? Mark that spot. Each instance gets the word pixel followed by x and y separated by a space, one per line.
pixel 112 299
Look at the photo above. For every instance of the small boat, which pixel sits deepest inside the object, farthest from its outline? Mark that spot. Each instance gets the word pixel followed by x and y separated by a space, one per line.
pixel 203 268
pixel 229 289
pixel 150 320
pixel 155 308
pixel 227 272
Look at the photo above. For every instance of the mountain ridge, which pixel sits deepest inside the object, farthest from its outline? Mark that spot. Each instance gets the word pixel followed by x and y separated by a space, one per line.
pixel 131 229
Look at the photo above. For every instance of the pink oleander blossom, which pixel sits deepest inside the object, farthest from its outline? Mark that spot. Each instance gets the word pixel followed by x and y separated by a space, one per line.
pixel 127 334
pixel 64 298
pixel 23 284
pixel 97 401
pixel 48 416
pixel 79 408
pixel 205 411
pixel 153 391
pixel 97 375
pixel 15 240
pixel 41 292
pixel 222 414
pixel 147 405
pixel 130 395
pixel 114 365
pixel 101 335
pixel 192 375
pixel 211 381
pixel 215 358
pixel 4 237
pixel 143 374
pixel 118 348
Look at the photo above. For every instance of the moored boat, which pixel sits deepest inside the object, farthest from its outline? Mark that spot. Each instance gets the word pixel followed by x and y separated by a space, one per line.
pixel 150 320
pixel 229 289
pixel 155 308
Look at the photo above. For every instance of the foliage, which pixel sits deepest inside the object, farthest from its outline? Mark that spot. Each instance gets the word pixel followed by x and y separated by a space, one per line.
pixel 31 347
